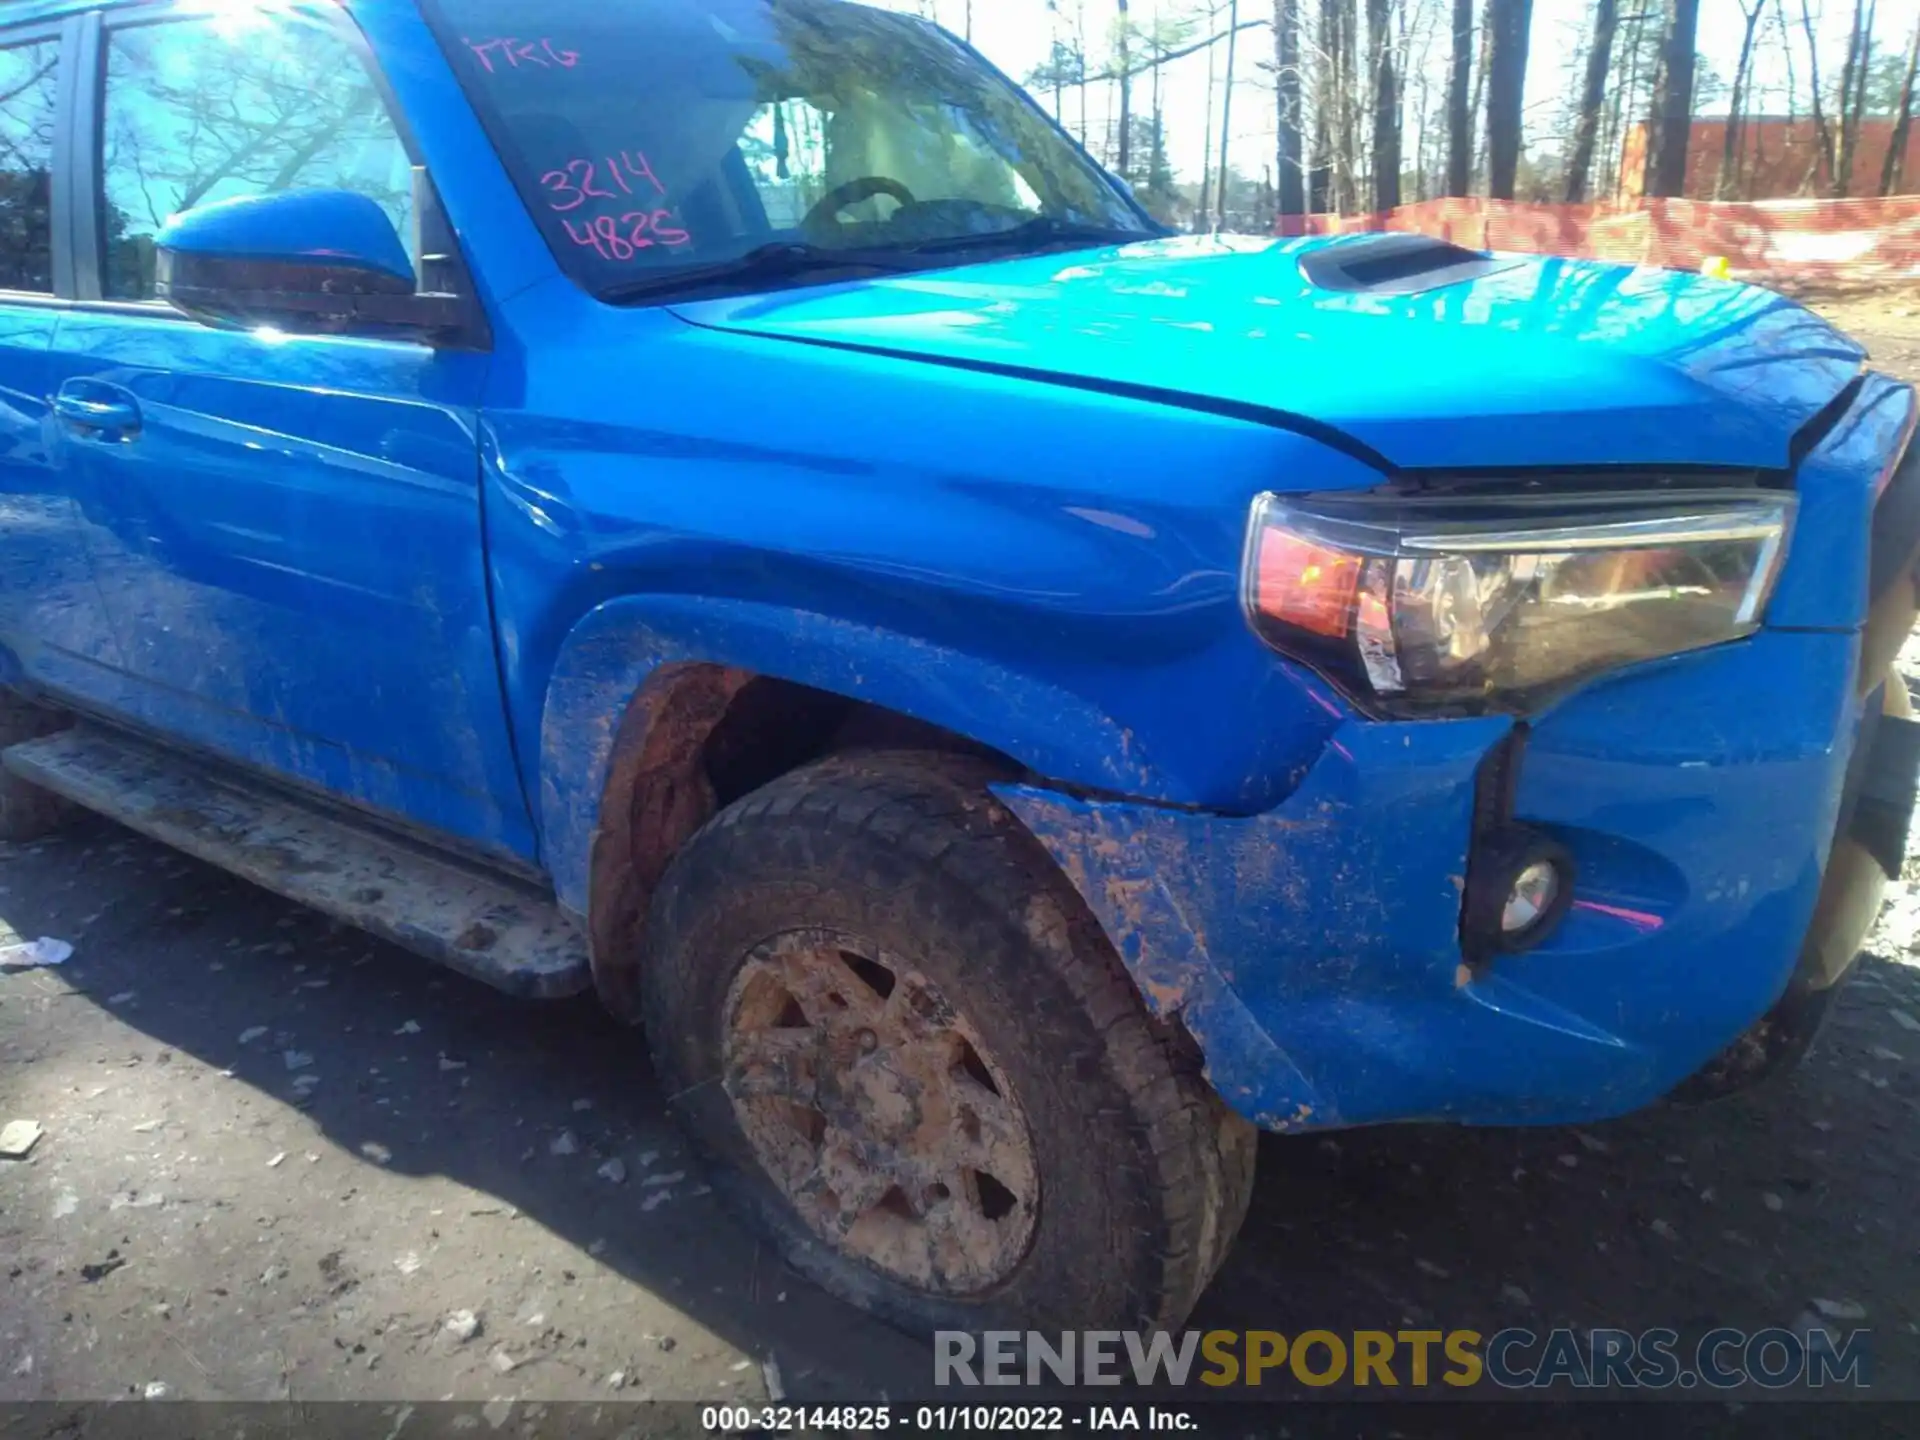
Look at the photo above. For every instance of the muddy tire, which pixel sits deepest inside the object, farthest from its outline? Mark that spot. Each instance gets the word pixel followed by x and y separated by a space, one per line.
pixel 28 812
pixel 916 1065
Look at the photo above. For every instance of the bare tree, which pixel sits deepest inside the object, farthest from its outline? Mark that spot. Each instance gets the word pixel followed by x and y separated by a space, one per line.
pixel 1080 42
pixel 1345 60
pixel 1226 106
pixel 1386 106
pixel 1204 208
pixel 1593 95
pixel 1623 105
pixel 1672 123
pixel 1822 126
pixel 1477 108
pixel 1896 159
pixel 1726 184
pixel 1508 25
pixel 1122 41
pixel 1853 93
pixel 1286 52
pixel 1460 104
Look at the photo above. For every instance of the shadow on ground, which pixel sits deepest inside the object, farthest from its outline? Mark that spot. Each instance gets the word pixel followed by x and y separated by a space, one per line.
pixel 1761 1211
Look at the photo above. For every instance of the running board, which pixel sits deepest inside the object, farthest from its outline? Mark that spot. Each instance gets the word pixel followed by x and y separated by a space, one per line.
pixel 491 928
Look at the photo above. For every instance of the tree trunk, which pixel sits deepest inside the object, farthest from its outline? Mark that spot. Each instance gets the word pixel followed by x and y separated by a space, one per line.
pixel 1593 95
pixel 1902 120
pixel 1459 102
pixel 1226 110
pixel 1204 207
pixel 1822 127
pixel 1286 52
pixel 1620 107
pixel 1842 176
pixel 1320 195
pixel 1509 23
pixel 1126 90
pixel 1727 182
pixel 1386 107
pixel 1477 109
pixel 1347 82
pixel 1080 34
pixel 1672 121
pixel 1158 175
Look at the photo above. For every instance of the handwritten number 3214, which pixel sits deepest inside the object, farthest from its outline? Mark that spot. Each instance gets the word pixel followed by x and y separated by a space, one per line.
pixel 633 232
pixel 572 187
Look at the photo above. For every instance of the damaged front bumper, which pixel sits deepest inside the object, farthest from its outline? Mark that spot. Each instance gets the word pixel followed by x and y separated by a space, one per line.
pixel 1728 814
pixel 1314 952
pixel 1877 814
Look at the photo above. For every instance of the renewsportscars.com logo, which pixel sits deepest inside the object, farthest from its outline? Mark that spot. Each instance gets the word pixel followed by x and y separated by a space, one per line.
pixel 1511 1359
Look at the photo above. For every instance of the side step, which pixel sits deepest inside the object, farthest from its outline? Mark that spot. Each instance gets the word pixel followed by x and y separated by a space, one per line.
pixel 482 925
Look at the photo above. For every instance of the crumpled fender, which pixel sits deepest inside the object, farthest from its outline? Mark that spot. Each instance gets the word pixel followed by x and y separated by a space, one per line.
pixel 615 648
pixel 1203 907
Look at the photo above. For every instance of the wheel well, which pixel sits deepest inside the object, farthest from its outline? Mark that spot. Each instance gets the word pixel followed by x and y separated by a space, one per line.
pixel 695 739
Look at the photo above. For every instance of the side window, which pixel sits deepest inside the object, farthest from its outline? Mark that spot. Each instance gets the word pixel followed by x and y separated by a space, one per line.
pixel 27 80
pixel 246 103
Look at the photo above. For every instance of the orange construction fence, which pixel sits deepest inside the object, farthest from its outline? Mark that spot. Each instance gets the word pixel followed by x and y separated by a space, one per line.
pixel 1861 239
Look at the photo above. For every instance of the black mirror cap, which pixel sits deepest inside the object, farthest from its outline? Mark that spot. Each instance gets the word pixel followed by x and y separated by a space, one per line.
pixel 304 298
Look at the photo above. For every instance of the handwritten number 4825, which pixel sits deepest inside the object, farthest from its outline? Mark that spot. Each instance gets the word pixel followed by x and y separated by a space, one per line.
pixel 633 232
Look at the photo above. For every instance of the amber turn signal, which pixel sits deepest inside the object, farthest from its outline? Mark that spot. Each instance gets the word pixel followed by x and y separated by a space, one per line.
pixel 1306 584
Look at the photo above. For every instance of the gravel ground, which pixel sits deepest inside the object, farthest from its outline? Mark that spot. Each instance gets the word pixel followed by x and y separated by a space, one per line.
pixel 284 1160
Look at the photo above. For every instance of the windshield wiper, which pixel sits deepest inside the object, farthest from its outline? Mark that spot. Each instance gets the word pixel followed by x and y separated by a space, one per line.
pixel 1041 230
pixel 776 261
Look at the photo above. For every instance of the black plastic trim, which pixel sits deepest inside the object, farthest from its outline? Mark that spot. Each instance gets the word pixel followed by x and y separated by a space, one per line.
pixel 1808 437
pixel 87 210
pixel 1556 482
pixel 1498 848
pixel 1396 264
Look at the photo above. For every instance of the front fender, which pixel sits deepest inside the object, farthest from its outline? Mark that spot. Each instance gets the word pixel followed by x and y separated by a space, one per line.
pixel 610 654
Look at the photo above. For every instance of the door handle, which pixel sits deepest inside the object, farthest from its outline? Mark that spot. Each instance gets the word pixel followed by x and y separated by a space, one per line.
pixel 113 417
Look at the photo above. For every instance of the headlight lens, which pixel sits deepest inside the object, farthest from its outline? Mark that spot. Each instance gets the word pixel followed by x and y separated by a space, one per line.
pixel 1464 606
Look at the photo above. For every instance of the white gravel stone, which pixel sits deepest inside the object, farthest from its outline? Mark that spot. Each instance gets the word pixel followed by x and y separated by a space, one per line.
pixel 463 1325
pixel 17 1137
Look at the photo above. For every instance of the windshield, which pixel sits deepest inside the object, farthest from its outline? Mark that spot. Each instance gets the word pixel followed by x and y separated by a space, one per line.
pixel 663 134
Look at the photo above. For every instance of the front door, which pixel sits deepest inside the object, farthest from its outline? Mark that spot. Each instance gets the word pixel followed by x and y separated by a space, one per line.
pixel 287 530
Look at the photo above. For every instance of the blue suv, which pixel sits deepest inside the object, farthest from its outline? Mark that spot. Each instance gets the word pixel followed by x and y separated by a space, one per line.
pixel 722 503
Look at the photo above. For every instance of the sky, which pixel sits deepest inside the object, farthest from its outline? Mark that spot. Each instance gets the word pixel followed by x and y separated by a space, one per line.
pixel 1015 35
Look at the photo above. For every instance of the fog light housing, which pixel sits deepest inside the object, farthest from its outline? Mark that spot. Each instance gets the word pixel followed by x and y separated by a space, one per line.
pixel 1519 885
pixel 1535 891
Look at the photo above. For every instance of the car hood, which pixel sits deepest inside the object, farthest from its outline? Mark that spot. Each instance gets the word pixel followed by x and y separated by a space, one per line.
pixel 1542 362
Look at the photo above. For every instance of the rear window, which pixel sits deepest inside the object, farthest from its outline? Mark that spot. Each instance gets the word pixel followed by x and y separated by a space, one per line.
pixel 29 75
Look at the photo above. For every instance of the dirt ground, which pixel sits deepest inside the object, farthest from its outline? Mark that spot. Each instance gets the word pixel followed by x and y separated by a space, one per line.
pixel 1886 318
pixel 283 1160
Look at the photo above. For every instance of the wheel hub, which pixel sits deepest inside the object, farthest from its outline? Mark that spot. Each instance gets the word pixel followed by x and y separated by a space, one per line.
pixel 869 1100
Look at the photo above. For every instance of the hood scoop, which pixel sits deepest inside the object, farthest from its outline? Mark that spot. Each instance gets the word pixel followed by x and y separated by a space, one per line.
pixel 1396 265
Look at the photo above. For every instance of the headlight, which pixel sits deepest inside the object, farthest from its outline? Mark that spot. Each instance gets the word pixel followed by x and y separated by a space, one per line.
pixel 1416 605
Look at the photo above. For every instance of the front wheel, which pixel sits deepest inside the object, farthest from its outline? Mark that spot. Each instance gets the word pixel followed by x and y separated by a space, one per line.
pixel 918 1067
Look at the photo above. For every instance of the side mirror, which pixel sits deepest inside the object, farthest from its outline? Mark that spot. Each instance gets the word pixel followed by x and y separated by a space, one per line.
pixel 317 262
